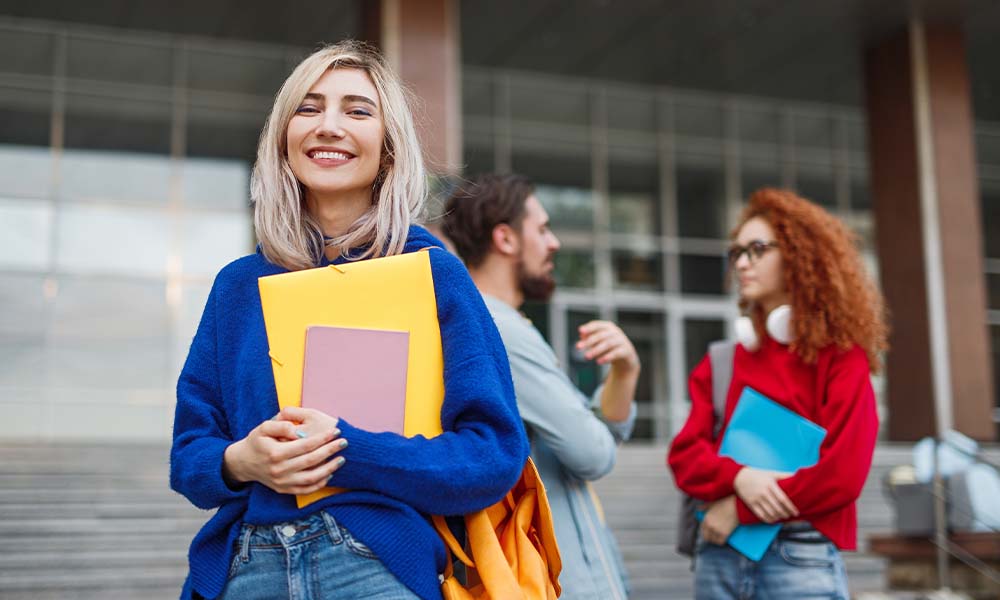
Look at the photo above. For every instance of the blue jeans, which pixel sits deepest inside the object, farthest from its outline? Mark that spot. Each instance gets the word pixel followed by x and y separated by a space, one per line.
pixel 789 570
pixel 311 559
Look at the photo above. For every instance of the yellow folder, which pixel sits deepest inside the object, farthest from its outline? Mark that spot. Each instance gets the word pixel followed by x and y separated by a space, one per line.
pixel 394 293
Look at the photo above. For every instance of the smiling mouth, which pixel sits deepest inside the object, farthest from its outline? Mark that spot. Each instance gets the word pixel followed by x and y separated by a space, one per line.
pixel 335 155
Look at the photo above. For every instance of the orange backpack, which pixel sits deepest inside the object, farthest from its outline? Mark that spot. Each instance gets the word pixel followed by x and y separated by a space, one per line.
pixel 514 555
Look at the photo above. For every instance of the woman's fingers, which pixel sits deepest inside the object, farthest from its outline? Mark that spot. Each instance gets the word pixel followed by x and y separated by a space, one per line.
pixel 317 456
pixel 313 480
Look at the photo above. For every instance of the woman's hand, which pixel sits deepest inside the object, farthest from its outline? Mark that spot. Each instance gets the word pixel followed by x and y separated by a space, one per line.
pixel 760 491
pixel 720 520
pixel 288 456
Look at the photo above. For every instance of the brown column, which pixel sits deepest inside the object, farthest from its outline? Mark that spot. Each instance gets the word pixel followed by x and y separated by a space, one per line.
pixel 420 38
pixel 906 183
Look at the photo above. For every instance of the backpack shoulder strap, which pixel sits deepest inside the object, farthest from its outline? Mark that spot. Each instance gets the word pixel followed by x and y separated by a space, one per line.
pixel 721 354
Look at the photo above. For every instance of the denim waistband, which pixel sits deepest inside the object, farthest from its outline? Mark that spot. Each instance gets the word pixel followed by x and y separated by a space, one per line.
pixel 801 532
pixel 291 533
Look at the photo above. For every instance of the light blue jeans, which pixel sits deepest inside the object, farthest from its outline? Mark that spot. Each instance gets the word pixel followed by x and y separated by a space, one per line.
pixel 789 570
pixel 311 559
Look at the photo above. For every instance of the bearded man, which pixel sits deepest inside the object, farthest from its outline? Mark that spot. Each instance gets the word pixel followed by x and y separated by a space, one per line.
pixel 501 230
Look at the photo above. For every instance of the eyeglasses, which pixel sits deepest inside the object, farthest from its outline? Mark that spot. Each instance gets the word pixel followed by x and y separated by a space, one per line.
pixel 754 250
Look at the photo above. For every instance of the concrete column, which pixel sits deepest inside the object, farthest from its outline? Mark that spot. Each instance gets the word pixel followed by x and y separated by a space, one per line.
pixel 926 205
pixel 420 38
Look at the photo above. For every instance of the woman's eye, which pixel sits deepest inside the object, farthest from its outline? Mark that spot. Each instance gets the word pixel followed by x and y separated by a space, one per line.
pixel 307 109
pixel 359 112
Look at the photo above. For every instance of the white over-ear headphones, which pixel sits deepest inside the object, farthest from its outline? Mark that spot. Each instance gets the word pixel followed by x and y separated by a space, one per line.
pixel 778 325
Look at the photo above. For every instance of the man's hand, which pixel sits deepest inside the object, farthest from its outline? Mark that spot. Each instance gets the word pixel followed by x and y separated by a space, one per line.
pixel 760 491
pixel 720 521
pixel 605 342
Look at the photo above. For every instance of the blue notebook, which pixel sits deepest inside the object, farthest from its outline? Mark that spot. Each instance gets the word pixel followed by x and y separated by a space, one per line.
pixel 765 435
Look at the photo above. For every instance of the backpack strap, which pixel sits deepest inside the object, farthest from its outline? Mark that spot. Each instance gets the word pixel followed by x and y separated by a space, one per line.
pixel 451 543
pixel 721 354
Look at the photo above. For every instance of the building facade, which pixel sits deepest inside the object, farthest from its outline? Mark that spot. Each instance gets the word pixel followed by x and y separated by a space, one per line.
pixel 124 165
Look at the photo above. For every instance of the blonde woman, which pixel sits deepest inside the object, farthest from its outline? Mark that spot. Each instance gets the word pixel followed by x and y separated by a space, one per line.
pixel 339 176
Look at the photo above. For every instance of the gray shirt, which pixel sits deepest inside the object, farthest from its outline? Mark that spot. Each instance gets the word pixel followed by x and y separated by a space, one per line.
pixel 571 445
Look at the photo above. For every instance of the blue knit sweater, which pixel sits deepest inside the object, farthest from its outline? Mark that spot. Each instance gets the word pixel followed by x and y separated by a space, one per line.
pixel 227 388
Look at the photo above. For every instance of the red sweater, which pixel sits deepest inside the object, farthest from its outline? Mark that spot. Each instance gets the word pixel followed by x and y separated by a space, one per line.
pixel 835 393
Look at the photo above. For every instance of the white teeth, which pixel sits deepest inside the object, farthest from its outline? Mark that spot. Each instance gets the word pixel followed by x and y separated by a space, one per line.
pixel 331 155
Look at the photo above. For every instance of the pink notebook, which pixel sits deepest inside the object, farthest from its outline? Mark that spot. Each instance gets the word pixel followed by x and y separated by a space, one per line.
pixel 357 374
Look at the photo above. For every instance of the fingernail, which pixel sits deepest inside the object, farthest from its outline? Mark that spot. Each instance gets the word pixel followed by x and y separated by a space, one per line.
pixel 339 461
pixel 336 432
pixel 343 443
pixel 300 434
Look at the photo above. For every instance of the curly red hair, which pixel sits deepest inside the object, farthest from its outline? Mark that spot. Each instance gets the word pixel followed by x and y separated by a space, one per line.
pixel 833 298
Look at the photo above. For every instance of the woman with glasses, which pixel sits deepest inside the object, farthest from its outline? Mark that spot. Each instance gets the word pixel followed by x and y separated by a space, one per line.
pixel 339 177
pixel 811 334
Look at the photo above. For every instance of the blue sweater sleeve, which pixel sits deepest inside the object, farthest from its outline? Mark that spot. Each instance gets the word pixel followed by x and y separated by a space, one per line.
pixel 201 433
pixel 480 455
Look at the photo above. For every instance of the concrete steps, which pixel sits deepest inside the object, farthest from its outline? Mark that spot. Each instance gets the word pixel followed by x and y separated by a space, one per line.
pixel 100 522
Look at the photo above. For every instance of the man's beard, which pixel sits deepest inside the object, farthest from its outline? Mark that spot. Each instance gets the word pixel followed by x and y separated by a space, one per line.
pixel 535 287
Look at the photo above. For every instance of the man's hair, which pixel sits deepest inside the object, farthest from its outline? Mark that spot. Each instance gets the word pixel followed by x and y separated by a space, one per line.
pixel 477 206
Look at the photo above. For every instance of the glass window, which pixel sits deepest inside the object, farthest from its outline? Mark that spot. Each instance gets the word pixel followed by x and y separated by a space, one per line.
pixel 633 111
pixel 538 314
pixel 988 148
pixel 211 240
pixel 477 95
pixel 478 158
pixel 569 209
pixel 574 268
pixel 757 175
pixel 25 118
pixel 25 234
pixel 555 168
pixel 638 270
pixel 701 118
pixel 549 103
pixel 701 200
pixel 22 364
pixel 22 296
pixel 106 123
pixel 634 198
pixel 702 274
pixel 646 331
pixel 26 52
pixel 698 334
pixel 813 131
pixel 991 223
pixel 857 137
pixel 562 185
pixel 993 288
pixel 225 132
pixel 101 176
pixel 132 364
pixel 97 239
pixel 861 200
pixel 86 308
pixel 119 60
pixel 816 184
pixel 759 124
pixel 255 74
pixel 193 298
pixel 216 183
pixel 585 374
pixel 25 171
pixel 995 334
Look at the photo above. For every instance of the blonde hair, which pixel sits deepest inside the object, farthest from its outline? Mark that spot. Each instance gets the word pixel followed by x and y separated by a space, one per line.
pixel 289 236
